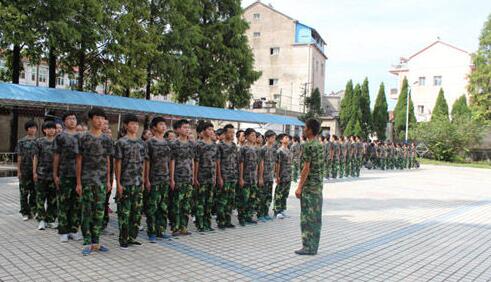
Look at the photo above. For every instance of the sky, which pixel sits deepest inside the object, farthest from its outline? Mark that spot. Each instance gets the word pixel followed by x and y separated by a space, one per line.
pixel 364 38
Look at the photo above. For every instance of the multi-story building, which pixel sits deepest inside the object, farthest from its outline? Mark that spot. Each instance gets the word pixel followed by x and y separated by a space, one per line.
pixel 439 65
pixel 290 56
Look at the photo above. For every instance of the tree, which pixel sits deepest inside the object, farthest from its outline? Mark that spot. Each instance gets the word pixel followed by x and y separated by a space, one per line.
pixel 354 126
pixel 345 111
pixel 366 115
pixel 480 78
pixel 313 105
pixel 400 112
pixel 460 110
pixel 440 110
pixel 380 115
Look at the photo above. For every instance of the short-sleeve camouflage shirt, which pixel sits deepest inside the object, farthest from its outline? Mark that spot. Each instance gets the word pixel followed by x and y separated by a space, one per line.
pixel 312 153
pixel 284 159
pixel 228 155
pixel 26 148
pixel 206 156
pixel 248 156
pixel 131 152
pixel 94 151
pixel 183 155
pixel 268 156
pixel 45 149
pixel 66 145
pixel 158 153
pixel 297 152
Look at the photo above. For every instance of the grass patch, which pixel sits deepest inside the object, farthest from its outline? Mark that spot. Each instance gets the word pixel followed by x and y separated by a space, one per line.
pixel 482 164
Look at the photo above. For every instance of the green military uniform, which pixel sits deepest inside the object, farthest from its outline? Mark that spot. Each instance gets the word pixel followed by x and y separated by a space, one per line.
pixel 94 152
pixel 353 152
pixel 327 159
pixel 347 157
pixel 335 159
pixel 228 156
pixel 297 154
pixel 247 195
pixel 265 194
pixel 45 188
pixel 311 198
pixel 284 159
pixel 206 156
pixel 66 145
pixel 25 149
pixel 342 159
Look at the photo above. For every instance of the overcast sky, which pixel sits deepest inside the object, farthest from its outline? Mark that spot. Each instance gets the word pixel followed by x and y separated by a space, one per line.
pixel 365 37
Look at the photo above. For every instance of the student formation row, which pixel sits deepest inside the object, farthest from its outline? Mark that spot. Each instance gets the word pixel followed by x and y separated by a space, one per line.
pixel 66 177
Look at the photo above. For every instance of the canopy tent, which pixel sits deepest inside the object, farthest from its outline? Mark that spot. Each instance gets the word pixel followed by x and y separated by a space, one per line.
pixel 22 95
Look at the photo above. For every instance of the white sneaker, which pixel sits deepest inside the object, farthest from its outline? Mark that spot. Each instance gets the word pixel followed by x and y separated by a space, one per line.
pixel 75 236
pixel 53 225
pixel 64 238
pixel 42 225
pixel 285 215
pixel 280 216
pixel 25 218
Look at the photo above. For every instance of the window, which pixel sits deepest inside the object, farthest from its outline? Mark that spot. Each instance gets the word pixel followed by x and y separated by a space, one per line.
pixel 421 109
pixel 73 82
pixel 60 81
pixel 257 34
pixel 42 75
pixel 33 74
pixel 22 75
pixel 274 51
pixel 257 16
pixel 437 80
pixel 273 81
pixel 422 81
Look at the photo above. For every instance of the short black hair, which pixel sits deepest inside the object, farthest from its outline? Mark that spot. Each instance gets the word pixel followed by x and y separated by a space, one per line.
pixel 130 118
pixel 269 133
pixel 96 111
pixel 237 134
pixel 296 138
pixel 227 127
pixel 49 124
pixel 249 131
pixel 219 131
pixel 282 135
pixel 335 137
pixel 205 125
pixel 68 114
pixel 155 121
pixel 166 134
pixel 29 124
pixel 314 125
pixel 178 124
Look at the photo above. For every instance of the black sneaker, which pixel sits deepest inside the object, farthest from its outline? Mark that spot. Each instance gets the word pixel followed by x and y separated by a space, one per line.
pixel 304 252
pixel 123 247
pixel 242 223
pixel 251 221
pixel 134 242
pixel 209 229
pixel 221 227
pixel 230 225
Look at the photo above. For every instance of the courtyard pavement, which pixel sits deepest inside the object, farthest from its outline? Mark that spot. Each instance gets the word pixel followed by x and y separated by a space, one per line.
pixel 430 224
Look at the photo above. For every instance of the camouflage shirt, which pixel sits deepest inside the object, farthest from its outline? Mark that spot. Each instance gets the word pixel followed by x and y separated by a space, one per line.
pixel 206 156
pixel 44 150
pixel 228 155
pixel 268 156
pixel 158 153
pixel 183 155
pixel 25 149
pixel 94 151
pixel 336 148
pixel 66 145
pixel 248 156
pixel 284 159
pixel 328 148
pixel 297 152
pixel 312 153
pixel 132 155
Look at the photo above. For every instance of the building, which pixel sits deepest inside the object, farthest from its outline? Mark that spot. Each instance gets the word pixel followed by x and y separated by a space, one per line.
pixel 331 106
pixel 439 65
pixel 290 56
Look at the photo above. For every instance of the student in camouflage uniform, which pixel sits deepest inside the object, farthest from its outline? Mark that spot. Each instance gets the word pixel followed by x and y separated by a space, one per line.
pixel 206 163
pixel 283 176
pixel 227 178
pixel 342 157
pixel 353 152
pixel 334 157
pixel 93 179
pixel 182 178
pixel 157 159
pixel 129 155
pixel 247 179
pixel 347 156
pixel 358 156
pixel 42 171
pixel 267 155
pixel 25 152
pixel 328 157
pixel 66 144
pixel 309 191
pixel 297 152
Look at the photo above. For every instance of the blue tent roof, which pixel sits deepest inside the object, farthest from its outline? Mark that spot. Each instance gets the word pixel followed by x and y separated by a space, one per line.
pixel 21 94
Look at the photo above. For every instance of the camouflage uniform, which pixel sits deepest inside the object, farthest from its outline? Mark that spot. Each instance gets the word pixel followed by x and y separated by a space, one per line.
pixel 327 159
pixel 45 188
pixel 206 156
pixel 158 154
pixel 66 145
pixel 131 153
pixel 335 160
pixel 297 154
pixel 95 152
pixel 358 158
pixel 347 162
pixel 311 198
pixel 227 154
pixel 247 193
pixel 342 159
pixel 284 160
pixel 353 159
pixel 25 149
pixel 183 155
pixel 265 193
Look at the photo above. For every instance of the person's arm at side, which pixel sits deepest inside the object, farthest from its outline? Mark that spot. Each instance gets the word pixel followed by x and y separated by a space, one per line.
pixel 56 166
pixel 303 178
pixel 241 174
pixel 34 167
pixel 19 172
pixel 171 174
pixel 146 175
pixel 219 173
pixel 261 173
pixel 108 174
pixel 78 172
pixel 117 171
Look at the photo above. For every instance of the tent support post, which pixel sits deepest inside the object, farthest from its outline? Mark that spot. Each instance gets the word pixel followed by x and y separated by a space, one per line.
pixel 119 122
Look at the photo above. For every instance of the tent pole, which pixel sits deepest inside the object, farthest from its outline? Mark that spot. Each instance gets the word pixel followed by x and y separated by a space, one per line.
pixel 119 122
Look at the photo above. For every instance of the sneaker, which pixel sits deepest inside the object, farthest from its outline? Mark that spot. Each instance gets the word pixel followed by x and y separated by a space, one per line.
pixel 268 218
pixel 200 230
pixel 251 221
pixel 25 217
pixel 42 225
pixel 184 232
pixel 152 239
pixel 52 225
pixel 284 214
pixel 241 223
pixel 87 250
pixel 75 236
pixel 134 242
pixel 304 252
pixel 280 216
pixel 209 229
pixel 222 227
pixel 124 247
pixel 101 248
pixel 164 236
pixel 64 238
pixel 230 225
pixel 261 218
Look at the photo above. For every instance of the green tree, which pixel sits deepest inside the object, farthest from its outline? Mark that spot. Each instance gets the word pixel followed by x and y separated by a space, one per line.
pixel 380 115
pixel 355 120
pixel 400 112
pixel 460 110
pixel 440 110
pixel 366 115
pixel 480 78
pixel 313 105
pixel 345 111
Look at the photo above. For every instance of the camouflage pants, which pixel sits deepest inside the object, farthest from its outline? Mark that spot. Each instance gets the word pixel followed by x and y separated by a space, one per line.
pixel 334 168
pixel 281 193
pixel 356 167
pixel 181 206
pixel 327 168
pixel 244 205
pixel 129 213
pixel 264 198
pixel 92 202
pixel 106 209
pixel 311 219
pixel 341 168
pixel 68 206
pixel 225 198
pixel 27 197
pixel 295 171
pixel 347 167
pixel 204 205
pixel 156 209
pixel 46 193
